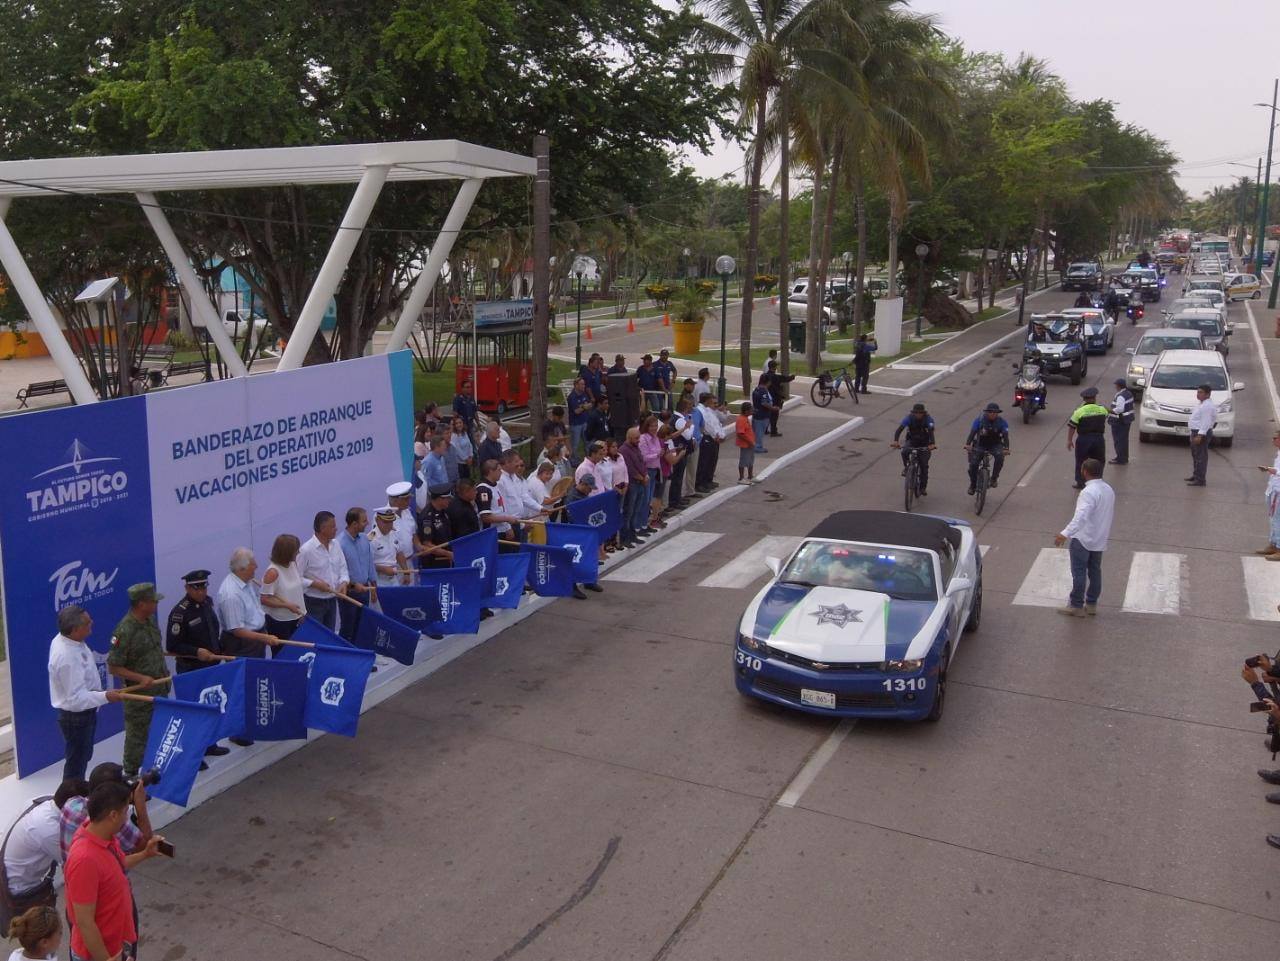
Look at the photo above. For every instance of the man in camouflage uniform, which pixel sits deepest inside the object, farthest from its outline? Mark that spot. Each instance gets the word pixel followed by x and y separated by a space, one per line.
pixel 137 657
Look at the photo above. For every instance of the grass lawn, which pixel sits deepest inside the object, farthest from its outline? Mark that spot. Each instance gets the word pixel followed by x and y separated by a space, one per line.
pixel 439 385
pixel 988 312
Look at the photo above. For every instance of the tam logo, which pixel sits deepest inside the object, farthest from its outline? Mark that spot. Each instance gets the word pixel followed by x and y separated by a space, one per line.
pixel 215 697
pixel 480 565
pixel 308 659
pixel 73 582
pixel 331 691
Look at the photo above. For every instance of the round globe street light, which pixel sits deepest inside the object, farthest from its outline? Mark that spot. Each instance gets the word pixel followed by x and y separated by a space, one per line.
pixel 494 264
pixel 583 267
pixel 725 266
pixel 848 294
pixel 922 251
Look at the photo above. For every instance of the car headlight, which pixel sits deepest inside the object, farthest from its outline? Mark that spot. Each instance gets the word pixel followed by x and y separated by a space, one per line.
pixel 751 644
pixel 913 664
pixel 1149 404
pixel 1135 369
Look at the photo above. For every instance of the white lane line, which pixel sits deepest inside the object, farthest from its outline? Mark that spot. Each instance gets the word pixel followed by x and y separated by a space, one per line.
pixel 982 550
pixel 1031 471
pixel 1048 582
pixel 674 551
pixel 1266 366
pixel 1262 583
pixel 1155 583
pixel 813 767
pixel 749 566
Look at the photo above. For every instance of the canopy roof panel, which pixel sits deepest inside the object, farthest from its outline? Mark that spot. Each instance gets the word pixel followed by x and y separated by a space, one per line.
pixel 259 167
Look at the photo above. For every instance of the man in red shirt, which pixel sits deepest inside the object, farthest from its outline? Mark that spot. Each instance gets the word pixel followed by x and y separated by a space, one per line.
pixel 98 893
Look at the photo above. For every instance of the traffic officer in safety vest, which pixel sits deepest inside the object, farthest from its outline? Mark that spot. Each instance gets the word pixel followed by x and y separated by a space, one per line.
pixel 1086 431
pixel 1121 420
pixel 138 658
pixel 193 634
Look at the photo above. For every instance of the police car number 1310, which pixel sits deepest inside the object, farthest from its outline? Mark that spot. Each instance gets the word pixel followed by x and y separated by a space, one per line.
pixel 904 684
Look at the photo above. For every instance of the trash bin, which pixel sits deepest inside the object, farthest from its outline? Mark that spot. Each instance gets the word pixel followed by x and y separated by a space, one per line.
pixel 795 336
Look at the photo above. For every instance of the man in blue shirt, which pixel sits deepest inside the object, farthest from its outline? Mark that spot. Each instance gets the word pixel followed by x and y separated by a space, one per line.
pixel 464 406
pixel 762 406
pixel 592 373
pixel 918 426
pixel 989 434
pixel 651 383
pixel 580 403
pixel 434 470
pixel 358 552
pixel 666 370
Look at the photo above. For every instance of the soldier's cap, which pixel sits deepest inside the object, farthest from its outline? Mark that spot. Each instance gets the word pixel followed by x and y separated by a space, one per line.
pixel 399 489
pixel 1089 392
pixel 145 591
pixel 440 490
pixel 589 480
pixel 1119 381
pixel 386 511
pixel 195 578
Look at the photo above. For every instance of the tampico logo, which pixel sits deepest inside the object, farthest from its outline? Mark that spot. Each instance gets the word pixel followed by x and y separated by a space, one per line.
pixel 448 601
pixel 170 745
pixel 597 519
pixel 75 583
pixel 542 567
pixel 267 702
pixel 78 484
pixel 331 691
pixel 215 696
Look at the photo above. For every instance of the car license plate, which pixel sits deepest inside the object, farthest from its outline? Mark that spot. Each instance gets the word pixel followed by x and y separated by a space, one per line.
pixel 817 698
pixel 1182 430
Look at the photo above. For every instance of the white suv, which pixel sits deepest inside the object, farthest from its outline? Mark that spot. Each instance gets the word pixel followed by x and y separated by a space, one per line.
pixel 1170 394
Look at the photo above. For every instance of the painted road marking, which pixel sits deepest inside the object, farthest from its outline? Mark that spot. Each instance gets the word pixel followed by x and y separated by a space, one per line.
pixel 1031 471
pixel 813 767
pixel 675 551
pixel 1155 583
pixel 1048 582
pixel 749 566
pixel 1262 583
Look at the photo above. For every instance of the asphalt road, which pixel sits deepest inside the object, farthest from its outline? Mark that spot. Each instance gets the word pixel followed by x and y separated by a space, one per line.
pixel 589 785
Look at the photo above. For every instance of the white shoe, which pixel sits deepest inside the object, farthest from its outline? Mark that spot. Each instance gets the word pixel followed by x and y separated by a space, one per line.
pixel 745 482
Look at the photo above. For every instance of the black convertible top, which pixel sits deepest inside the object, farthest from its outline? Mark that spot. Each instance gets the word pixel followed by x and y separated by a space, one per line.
pixel 888 527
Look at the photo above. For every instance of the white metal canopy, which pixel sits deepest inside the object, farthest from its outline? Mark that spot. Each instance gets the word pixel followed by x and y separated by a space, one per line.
pixel 368 165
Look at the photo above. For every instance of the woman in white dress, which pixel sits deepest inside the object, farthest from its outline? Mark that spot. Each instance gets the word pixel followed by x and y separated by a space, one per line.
pixel 282 587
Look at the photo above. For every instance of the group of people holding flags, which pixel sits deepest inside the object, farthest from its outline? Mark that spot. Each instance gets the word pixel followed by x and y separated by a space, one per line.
pixel 225 686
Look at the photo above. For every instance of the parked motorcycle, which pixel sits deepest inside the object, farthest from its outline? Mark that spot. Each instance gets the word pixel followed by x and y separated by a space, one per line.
pixel 1029 390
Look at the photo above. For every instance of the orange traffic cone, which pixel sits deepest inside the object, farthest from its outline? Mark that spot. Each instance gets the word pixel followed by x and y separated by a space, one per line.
pixel 666 320
pixel 773 301
pixel 588 331
pixel 631 325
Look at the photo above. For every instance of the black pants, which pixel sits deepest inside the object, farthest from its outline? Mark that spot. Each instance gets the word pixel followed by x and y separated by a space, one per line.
pixel 675 487
pixel 323 610
pixel 773 419
pixel 78 728
pixel 923 454
pixel 975 456
pixel 1120 439
pixel 1089 445
pixel 281 629
pixel 1200 457
pixel 860 377
pixel 708 457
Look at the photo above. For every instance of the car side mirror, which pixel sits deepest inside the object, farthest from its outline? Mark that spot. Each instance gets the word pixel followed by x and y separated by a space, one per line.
pixel 1131 350
pixel 957 585
pixel 774 564
pixel 1140 381
pixel 1238 385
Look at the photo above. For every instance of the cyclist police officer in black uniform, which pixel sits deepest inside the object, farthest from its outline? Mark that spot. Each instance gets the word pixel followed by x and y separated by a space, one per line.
pixel 919 428
pixel 990 435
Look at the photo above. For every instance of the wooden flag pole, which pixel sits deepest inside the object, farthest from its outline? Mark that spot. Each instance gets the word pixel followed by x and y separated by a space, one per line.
pixel 136 697
pixel 194 657
pixel 296 643
pixel 139 687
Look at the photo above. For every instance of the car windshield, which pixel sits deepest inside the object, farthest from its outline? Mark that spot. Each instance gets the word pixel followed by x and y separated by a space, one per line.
pixel 1082 269
pixel 1204 285
pixel 1153 345
pixel 1206 325
pixel 900 572
pixel 1189 378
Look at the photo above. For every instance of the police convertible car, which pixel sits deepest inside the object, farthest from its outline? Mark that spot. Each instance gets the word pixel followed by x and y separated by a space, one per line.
pixel 863 619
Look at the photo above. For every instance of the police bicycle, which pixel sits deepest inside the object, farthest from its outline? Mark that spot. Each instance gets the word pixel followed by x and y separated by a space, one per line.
pixel 983 482
pixel 827 387
pixel 911 479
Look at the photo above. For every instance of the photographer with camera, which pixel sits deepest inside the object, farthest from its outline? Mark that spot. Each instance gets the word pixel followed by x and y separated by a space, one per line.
pixel 31 853
pixel 136 830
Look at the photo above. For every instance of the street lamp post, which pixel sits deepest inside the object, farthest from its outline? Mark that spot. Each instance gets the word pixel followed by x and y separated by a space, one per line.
pixel 684 265
pixel 922 251
pixel 1259 242
pixel 494 263
pixel 583 267
pixel 724 267
pixel 848 294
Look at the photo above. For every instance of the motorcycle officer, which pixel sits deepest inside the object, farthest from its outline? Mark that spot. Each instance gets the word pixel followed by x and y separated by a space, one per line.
pixel 919 429
pixel 1113 303
pixel 1084 300
pixel 988 434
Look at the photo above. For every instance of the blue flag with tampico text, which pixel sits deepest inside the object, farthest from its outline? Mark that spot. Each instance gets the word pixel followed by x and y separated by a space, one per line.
pixel 275 698
pixel 223 687
pixel 336 681
pixel 383 635
pixel 584 541
pixel 508 586
pixel 180 731
pixel 602 511
pixel 479 550
pixel 458 594
pixel 550 570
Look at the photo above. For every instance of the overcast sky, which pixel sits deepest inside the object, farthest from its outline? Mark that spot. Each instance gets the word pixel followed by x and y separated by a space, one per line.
pixel 1186 70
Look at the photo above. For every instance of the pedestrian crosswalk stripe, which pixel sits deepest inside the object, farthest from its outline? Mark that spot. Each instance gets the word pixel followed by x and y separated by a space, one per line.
pixel 1262 584
pixel 749 566
pixel 663 557
pixel 1155 583
pixel 1048 582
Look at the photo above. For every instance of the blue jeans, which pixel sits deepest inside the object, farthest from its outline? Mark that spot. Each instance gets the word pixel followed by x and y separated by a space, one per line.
pixel 1085 564
pixel 575 441
pixel 78 728
pixel 1273 505
pixel 637 498
pixel 760 425
pixel 323 609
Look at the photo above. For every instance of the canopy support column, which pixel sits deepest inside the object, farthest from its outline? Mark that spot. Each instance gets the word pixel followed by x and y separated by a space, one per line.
pixel 334 266
pixel 47 326
pixel 436 258
pixel 200 303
